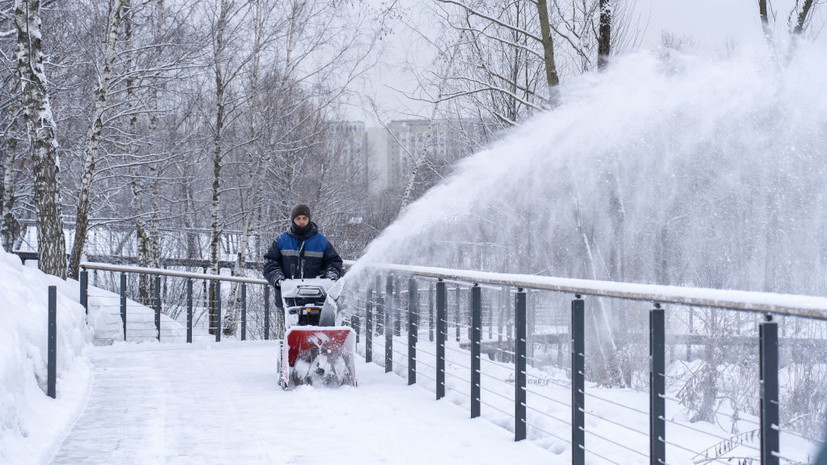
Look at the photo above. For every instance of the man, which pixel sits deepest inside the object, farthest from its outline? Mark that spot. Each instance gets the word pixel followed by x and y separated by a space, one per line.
pixel 301 252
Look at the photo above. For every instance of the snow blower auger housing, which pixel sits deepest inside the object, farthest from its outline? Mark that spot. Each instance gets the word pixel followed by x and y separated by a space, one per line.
pixel 315 349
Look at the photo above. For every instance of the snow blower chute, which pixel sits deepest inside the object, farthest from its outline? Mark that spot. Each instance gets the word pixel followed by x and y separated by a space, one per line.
pixel 315 349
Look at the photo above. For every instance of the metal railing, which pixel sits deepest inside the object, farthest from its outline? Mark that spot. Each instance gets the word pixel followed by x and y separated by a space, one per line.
pixel 157 273
pixel 382 312
pixel 384 306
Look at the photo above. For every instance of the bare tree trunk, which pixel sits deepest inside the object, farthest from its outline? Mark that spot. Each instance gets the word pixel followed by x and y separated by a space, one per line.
pixel 10 229
pixel 765 19
pixel 803 16
pixel 51 245
pixel 552 79
pixel 218 153
pixel 145 282
pixel 604 39
pixel 94 138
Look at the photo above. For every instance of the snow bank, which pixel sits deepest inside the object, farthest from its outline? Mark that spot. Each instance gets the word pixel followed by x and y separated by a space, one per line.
pixel 30 421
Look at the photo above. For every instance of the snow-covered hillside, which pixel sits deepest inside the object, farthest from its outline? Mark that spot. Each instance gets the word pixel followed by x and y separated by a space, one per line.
pixel 30 421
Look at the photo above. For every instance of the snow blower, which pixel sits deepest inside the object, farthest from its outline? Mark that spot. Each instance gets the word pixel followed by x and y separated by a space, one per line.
pixel 316 349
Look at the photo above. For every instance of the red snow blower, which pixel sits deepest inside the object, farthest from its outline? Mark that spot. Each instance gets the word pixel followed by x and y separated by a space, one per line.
pixel 316 349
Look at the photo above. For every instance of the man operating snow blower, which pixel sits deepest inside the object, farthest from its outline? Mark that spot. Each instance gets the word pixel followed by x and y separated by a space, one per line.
pixel 302 266
pixel 301 252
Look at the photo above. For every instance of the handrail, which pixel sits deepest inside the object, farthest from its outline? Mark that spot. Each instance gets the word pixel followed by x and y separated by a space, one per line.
pixel 159 271
pixel 760 302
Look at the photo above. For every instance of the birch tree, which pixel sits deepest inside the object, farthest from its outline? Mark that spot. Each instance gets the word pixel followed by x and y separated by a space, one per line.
pixel 41 127
pixel 95 134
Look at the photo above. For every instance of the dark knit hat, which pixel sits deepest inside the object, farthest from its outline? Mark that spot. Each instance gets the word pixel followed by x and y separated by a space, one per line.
pixel 300 209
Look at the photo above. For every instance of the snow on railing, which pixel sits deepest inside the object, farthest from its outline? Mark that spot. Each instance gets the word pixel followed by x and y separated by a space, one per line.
pixel 387 308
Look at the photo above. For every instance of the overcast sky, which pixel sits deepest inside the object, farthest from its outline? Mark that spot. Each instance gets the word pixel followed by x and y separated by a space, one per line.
pixel 710 24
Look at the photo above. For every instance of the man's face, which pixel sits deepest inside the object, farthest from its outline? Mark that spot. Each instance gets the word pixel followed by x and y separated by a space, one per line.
pixel 301 221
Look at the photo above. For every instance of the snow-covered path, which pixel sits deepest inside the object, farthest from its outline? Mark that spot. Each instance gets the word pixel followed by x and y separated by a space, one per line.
pixel 219 403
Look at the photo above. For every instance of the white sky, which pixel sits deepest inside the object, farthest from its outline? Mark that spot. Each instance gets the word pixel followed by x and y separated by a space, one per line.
pixel 711 25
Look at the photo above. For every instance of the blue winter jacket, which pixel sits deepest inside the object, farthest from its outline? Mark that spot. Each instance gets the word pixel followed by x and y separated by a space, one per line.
pixel 291 253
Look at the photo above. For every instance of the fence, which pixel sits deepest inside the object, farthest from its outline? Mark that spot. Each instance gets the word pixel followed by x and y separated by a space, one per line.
pixel 527 371
pixel 215 324
pixel 390 304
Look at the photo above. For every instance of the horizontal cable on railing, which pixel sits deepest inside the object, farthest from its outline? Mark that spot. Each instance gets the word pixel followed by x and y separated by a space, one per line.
pixel 620 425
pixel 449 364
pixel 727 460
pixel 465 353
pixel 425 352
pixel 463 379
pixel 618 404
pixel 483 388
pixel 420 363
pixel 591 452
pixel 551 399
pixel 547 415
pixel 707 433
pixel 490 376
pixel 424 375
pixel 554 435
pixel 613 442
pixel 511 414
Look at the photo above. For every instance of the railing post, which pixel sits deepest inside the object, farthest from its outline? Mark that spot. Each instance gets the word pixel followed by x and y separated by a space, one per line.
pixel 458 313
pixel 243 311
pixel 84 290
pixel 123 303
pixel 657 387
pixel 218 311
pixel 768 340
pixel 158 307
pixel 51 376
pixel 380 307
pixel 520 365
pixel 431 312
pixel 413 325
pixel 441 335
pixel 356 324
pixel 266 312
pixel 369 326
pixel 189 309
pixel 396 297
pixel 476 343
pixel 389 322
pixel 578 382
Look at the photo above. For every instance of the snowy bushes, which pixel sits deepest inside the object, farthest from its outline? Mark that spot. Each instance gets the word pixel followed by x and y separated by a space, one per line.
pixel 29 419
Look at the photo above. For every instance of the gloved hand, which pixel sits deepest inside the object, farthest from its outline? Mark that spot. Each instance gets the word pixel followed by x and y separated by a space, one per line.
pixel 277 283
pixel 331 275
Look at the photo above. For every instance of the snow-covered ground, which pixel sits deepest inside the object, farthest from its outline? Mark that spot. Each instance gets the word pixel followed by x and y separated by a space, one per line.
pixel 142 402
pixel 145 402
pixel 219 403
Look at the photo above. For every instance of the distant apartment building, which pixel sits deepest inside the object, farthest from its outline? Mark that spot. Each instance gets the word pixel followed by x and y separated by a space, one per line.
pixel 382 158
pixel 449 142
pixel 349 144
pixel 377 159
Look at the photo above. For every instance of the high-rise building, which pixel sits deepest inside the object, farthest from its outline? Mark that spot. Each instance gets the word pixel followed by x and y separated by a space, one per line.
pixel 349 144
pixel 407 139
